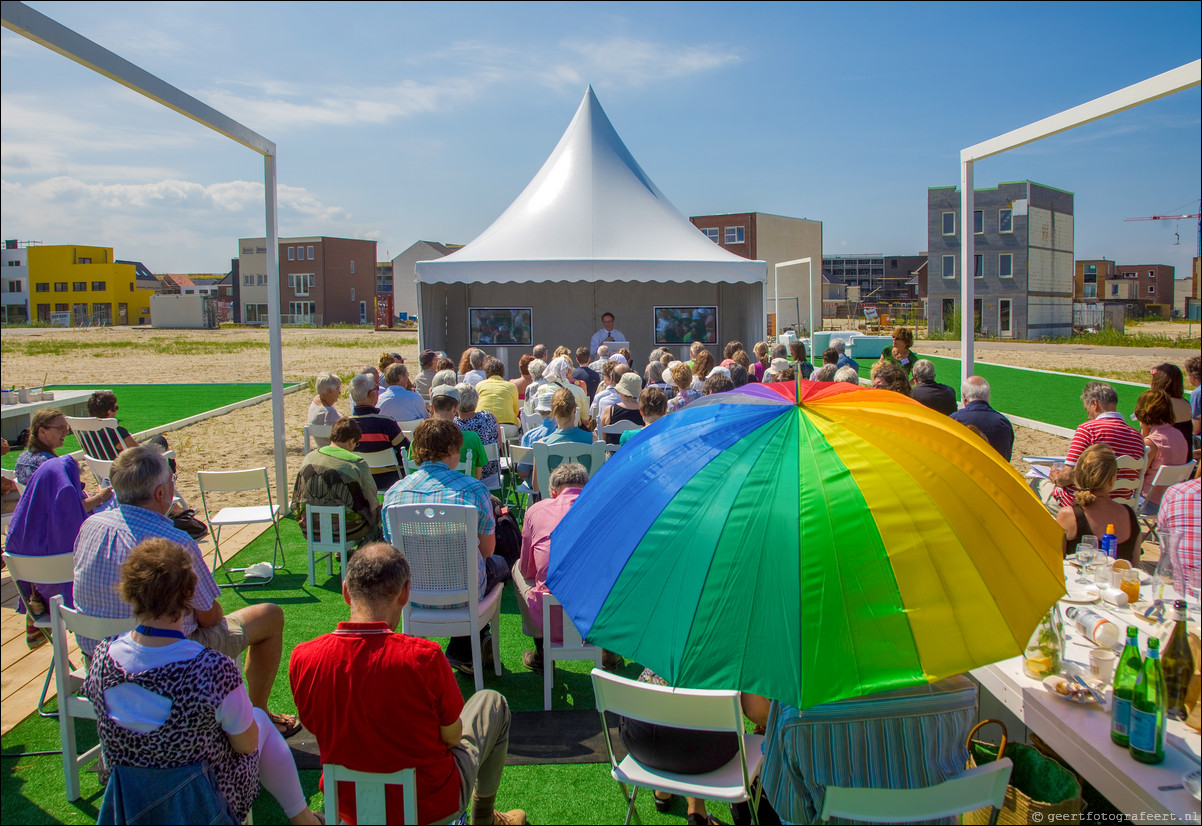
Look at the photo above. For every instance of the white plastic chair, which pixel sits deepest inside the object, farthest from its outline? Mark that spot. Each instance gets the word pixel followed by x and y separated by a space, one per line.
pixel 370 801
pixel 492 453
pixel 615 429
pixel 102 469
pixel 1140 466
pixel 442 547
pixel 329 522
pixel 42 570
pixel 573 647
pixel 10 475
pixel 236 481
pixel 509 433
pixel 974 789
pixel 382 460
pixel 408 426
pixel 593 452
pixel 688 708
pixel 531 421
pixel 1165 475
pixel 315 432
pixel 68 680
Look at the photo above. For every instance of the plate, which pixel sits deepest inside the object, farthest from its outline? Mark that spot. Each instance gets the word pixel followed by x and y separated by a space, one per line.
pixel 1193 783
pixel 1082 697
pixel 1080 599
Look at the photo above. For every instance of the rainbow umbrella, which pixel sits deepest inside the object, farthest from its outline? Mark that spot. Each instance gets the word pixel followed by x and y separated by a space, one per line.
pixel 807 542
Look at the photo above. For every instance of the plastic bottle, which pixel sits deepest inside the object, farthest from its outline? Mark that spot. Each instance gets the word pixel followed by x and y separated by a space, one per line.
pixel 1110 544
pixel 1124 684
pixel 1147 709
pixel 1178 665
pixel 1095 627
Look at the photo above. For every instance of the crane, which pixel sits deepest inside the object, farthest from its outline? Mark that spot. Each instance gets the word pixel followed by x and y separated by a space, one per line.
pixel 1194 215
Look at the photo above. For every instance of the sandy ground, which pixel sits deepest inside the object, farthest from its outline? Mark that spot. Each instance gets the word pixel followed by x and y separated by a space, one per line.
pixel 243 438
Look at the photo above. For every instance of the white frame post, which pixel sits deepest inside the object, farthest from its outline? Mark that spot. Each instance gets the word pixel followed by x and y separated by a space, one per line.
pixel 1154 88
pixel 41 29
pixel 776 275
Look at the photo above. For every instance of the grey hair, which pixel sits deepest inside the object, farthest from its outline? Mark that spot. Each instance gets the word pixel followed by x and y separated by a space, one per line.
pixel 923 370
pixel 848 374
pixel 136 473
pixel 376 573
pixel 536 369
pixel 840 345
pixel 568 475
pixel 780 351
pixel 824 373
pixel 395 372
pixel 444 378
pixel 974 389
pixel 326 382
pixel 1101 393
pixel 603 351
pixel 476 358
pixel 361 387
pixel 469 397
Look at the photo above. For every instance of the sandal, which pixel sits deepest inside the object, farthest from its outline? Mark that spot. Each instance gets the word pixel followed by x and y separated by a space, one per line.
pixel 286 724
pixel 662 804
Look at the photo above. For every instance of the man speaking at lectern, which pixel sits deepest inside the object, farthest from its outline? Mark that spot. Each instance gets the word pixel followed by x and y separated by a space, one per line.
pixel 606 333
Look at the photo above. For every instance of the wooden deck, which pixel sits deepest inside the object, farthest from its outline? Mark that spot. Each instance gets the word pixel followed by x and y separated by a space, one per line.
pixel 22 671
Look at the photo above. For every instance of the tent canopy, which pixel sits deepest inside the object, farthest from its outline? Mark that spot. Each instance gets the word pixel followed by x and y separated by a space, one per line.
pixel 591 214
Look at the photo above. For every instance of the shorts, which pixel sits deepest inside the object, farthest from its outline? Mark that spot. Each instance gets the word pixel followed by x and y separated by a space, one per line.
pixel 227 636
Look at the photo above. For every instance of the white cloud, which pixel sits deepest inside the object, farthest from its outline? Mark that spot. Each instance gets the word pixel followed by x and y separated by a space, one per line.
pixel 631 62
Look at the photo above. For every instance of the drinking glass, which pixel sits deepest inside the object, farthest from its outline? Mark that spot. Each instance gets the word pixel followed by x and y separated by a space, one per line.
pixel 1086 549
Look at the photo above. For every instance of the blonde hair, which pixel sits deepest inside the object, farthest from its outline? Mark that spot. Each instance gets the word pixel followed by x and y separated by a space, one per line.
pixel 682 376
pixel 563 404
pixel 1094 473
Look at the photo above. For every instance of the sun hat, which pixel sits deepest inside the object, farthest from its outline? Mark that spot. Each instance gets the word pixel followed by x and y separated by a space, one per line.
pixel 445 390
pixel 630 385
pixel 620 359
pixel 543 401
pixel 780 365
pixel 719 369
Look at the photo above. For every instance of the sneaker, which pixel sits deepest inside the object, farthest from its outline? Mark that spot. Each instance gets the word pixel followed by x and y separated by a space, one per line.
pixel 611 661
pixel 486 652
pixel 533 660
pixel 516 817
pixel 464 667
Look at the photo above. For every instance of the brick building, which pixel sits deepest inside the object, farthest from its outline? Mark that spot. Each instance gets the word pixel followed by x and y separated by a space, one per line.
pixel 323 280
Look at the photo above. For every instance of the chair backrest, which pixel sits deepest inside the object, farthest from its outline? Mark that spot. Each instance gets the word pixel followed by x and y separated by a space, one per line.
pixel 97 437
pixel 230 481
pixel 509 432
pixel 11 475
pixel 974 789
pixel 408 425
pixel 370 806
pixel 591 455
pixel 316 431
pixel 442 547
pixel 693 708
pixel 382 459
pixel 573 641
pixel 325 527
pixel 41 570
pixel 1140 466
pixel 101 469
pixel 531 421
pixel 1172 474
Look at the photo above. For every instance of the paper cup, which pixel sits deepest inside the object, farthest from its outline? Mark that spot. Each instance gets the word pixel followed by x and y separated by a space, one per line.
pixel 1101 664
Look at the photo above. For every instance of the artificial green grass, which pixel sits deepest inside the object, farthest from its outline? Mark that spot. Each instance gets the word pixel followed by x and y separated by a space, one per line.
pixel 33 787
pixel 1053 398
pixel 144 406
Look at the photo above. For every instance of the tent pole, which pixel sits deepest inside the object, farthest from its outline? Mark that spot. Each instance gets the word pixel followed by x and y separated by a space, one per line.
pixel 275 335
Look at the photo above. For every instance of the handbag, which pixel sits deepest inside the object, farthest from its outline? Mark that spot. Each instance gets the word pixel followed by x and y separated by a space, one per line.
pixel 1038 784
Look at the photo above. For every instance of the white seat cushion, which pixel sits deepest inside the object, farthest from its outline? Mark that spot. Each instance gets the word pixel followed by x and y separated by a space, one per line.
pixel 244 516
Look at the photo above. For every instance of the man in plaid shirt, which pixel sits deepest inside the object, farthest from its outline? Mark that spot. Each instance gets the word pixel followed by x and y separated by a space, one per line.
pixel 144 488
pixel 436 447
pixel 1181 513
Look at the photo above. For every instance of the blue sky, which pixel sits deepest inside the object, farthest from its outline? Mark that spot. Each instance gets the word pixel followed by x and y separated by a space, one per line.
pixel 400 122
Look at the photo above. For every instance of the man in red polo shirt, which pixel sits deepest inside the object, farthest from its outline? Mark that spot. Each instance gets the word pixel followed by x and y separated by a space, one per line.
pixel 1105 424
pixel 381 701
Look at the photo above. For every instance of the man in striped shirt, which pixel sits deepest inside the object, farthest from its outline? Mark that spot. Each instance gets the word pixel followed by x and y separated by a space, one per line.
pixel 380 432
pixel 1105 424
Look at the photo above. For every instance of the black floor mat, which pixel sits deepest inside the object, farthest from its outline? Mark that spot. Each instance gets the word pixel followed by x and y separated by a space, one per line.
pixel 535 738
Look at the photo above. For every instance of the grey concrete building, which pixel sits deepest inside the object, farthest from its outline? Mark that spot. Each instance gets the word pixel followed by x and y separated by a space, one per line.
pixel 1023 260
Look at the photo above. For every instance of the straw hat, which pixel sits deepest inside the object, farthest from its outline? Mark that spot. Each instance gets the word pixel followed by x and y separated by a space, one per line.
pixel 630 385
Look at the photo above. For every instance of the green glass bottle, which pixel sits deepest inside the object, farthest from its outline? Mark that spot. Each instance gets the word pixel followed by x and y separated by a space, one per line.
pixel 1178 665
pixel 1124 685
pixel 1148 709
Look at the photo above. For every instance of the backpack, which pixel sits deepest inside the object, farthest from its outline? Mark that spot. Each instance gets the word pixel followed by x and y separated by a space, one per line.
pixel 509 536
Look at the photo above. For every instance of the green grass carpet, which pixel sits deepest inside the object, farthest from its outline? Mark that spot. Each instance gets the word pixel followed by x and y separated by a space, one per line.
pixel 1054 398
pixel 144 406
pixel 33 787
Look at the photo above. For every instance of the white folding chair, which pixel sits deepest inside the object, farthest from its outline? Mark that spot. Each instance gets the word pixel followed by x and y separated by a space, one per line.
pixel 325 530
pixel 68 680
pixel 689 708
pixel 615 429
pixel 382 460
pixel 370 803
pixel 42 570
pixel 98 437
pixel 1140 466
pixel 530 421
pixel 315 432
pixel 443 550
pixel 573 647
pixel 10 475
pixel 509 433
pixel 972 790
pixel 492 453
pixel 591 455
pixel 102 469
pixel 408 425
pixel 236 481
pixel 1165 475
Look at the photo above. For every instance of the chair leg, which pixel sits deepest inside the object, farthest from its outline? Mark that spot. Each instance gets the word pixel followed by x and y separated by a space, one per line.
pixel 632 814
pixel 548 670
pixel 312 566
pixel 477 658
pixel 45 690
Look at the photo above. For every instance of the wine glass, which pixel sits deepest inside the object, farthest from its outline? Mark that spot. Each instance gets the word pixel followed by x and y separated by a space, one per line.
pixel 1087 548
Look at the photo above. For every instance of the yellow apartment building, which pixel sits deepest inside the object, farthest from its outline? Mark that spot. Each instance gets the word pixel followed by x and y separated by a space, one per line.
pixel 88 284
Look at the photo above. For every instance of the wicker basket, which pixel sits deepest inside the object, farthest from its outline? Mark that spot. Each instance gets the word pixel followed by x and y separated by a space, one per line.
pixel 1037 784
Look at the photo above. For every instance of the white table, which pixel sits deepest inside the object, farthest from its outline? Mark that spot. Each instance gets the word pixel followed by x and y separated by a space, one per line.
pixel 16 417
pixel 1081 733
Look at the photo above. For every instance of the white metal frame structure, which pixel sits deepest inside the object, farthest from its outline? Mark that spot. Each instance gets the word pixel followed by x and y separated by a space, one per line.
pixel 1154 88
pixel 776 292
pixel 39 28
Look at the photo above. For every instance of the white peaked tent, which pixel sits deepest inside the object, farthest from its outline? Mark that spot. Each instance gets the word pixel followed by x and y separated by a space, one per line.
pixel 590 234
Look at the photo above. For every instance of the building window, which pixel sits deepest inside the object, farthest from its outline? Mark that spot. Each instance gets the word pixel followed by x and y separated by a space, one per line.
pixel 733 235
pixel 247 251
pixel 1005 220
pixel 1091 269
pixel 261 280
pixel 1005 265
pixel 352 293
pixel 41 288
pixel 248 281
pixel 712 234
pixel 1091 291
pixel 14 286
pixel 60 286
pixel 978 222
pixel 84 261
pixel 301 283
pixel 292 253
pixel 261 250
pixel 949 223
pixel 949 266
pixel 79 286
pixel 1114 290
pixel 62 308
pixel 978 266
pixel 99 286
pixel 13 263
pixel 352 268
pixel 309 251
pixel 1151 289
pixel 1151 273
